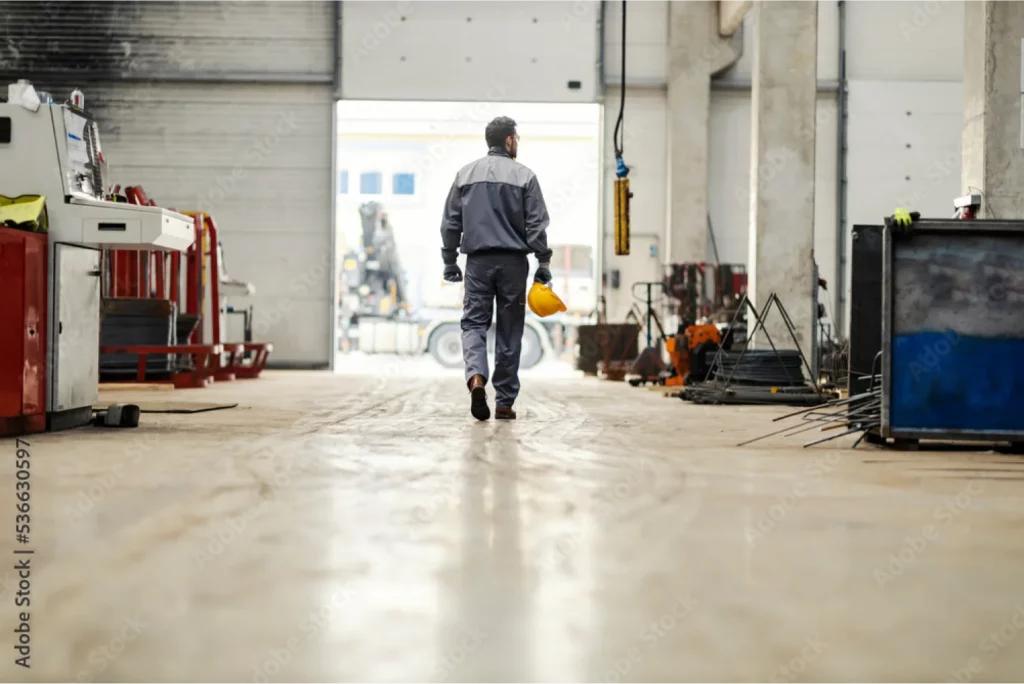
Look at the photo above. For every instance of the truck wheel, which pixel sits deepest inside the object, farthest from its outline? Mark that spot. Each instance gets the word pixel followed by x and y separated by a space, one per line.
pixel 446 345
pixel 532 351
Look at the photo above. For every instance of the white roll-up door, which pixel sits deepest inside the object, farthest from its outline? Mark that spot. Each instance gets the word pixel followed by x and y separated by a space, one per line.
pixel 258 159
pixel 501 51
pixel 221 107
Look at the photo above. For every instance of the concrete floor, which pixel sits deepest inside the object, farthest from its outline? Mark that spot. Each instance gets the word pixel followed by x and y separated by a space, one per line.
pixel 336 528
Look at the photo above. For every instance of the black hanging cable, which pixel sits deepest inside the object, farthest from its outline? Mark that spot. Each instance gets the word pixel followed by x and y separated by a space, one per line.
pixel 619 134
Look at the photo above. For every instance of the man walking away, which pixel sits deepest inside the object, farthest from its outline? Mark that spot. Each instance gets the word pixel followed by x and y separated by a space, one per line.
pixel 496 216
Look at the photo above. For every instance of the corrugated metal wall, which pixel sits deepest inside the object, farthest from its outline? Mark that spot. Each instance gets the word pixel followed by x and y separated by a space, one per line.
pixel 224 107
pixel 193 39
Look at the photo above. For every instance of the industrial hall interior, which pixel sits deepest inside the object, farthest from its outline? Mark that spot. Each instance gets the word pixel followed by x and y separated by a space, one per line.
pixel 553 340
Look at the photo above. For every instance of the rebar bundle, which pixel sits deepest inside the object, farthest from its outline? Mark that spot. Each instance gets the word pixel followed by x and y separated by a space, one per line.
pixel 861 413
pixel 781 368
pixel 759 376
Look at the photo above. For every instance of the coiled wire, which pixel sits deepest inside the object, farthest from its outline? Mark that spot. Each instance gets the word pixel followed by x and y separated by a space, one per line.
pixel 762 367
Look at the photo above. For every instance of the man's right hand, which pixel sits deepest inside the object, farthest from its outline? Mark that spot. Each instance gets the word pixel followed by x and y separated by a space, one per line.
pixel 452 273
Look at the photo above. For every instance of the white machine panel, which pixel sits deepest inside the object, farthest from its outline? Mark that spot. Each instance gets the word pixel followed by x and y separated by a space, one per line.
pixel 67 174
pixel 97 231
pixel 75 321
pixel 129 226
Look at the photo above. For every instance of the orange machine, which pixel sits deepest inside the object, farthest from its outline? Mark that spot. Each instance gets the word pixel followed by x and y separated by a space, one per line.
pixel 704 292
pixel 681 348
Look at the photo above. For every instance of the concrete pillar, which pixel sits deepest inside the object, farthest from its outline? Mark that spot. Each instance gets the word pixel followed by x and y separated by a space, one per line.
pixel 782 165
pixel 993 162
pixel 696 51
pixel 730 15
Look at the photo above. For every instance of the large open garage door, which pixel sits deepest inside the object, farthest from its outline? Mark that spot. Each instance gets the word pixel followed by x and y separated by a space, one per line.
pixel 396 163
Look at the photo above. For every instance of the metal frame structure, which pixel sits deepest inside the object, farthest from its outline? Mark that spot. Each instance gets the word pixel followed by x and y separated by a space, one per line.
pixel 717 391
pixel 136 274
pixel 948 228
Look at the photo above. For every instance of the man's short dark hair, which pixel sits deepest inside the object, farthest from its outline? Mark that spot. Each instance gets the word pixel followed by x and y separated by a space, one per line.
pixel 498 130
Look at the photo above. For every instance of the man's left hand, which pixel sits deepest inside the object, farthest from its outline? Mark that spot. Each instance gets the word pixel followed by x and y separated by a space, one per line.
pixel 543 275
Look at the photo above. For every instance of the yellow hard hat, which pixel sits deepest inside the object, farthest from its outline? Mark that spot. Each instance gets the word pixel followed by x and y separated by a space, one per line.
pixel 543 301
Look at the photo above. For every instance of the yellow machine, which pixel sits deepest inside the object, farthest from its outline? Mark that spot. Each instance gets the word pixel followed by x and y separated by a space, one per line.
pixel 622 196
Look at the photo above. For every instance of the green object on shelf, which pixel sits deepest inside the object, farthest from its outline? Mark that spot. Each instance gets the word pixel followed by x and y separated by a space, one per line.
pixel 26 212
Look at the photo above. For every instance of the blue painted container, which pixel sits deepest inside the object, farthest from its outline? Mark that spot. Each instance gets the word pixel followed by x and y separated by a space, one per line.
pixel 953 331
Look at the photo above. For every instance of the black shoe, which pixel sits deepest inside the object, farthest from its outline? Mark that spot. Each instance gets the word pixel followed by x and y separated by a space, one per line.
pixel 478 398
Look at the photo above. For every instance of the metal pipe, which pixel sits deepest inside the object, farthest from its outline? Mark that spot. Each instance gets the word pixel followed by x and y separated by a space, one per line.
pixel 602 86
pixel 333 306
pixel 746 85
pixel 211 228
pixel 738 85
pixel 841 130
pixel 336 48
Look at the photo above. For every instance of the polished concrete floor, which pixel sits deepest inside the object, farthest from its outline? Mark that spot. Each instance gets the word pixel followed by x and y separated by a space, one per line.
pixel 364 528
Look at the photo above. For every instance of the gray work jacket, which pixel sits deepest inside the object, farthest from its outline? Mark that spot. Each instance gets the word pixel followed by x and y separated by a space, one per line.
pixel 495 204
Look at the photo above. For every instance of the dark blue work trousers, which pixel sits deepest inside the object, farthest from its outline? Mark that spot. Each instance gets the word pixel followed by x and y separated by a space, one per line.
pixel 490 277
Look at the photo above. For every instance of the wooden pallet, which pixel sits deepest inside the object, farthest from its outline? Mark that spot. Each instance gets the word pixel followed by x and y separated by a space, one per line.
pixel 135 387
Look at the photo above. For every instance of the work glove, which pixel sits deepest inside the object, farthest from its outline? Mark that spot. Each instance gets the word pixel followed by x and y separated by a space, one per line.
pixel 543 274
pixel 452 273
pixel 902 217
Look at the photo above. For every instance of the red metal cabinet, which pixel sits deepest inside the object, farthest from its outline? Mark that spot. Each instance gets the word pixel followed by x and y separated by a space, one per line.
pixel 23 282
